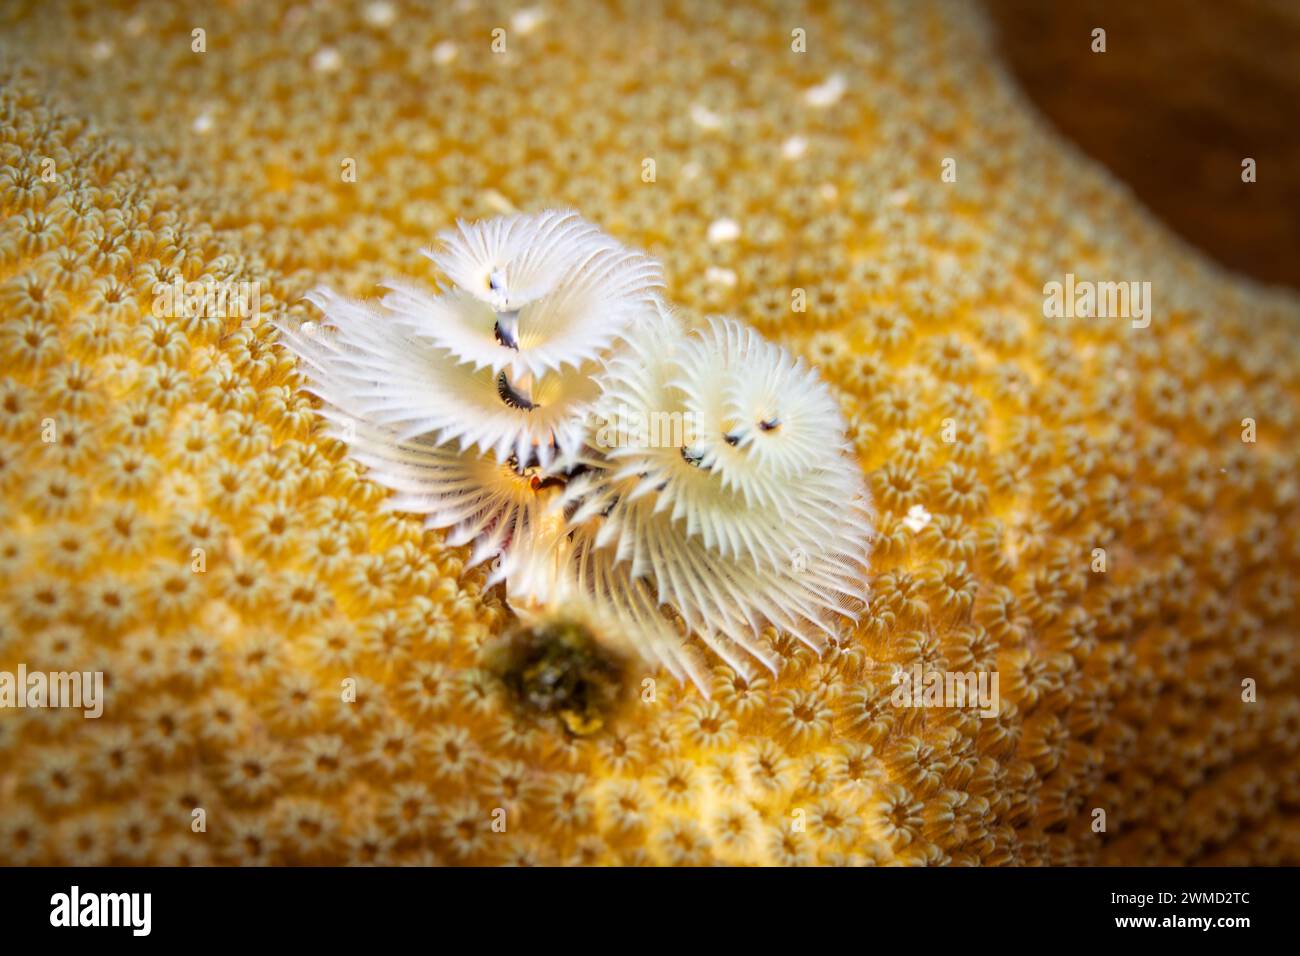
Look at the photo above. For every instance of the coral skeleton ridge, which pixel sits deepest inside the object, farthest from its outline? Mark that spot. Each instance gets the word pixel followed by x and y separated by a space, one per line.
pixel 751 514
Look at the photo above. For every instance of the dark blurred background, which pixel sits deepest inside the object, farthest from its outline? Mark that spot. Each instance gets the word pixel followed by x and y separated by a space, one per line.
pixel 1184 92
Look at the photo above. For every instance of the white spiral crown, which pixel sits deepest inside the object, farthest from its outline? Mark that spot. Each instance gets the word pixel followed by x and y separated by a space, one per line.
pixel 548 410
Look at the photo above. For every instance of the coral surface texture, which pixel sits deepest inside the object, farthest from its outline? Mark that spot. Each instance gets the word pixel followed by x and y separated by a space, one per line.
pixel 1102 511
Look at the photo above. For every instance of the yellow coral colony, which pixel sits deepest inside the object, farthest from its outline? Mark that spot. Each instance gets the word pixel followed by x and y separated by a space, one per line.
pixel 306 668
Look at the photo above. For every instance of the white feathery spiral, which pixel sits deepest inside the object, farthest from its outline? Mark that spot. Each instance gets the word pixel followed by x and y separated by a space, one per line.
pixel 546 410
pixel 751 513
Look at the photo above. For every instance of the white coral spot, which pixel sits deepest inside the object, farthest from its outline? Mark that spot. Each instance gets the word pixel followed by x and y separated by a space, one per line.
pixel 917 518
pixel 724 230
pixel 527 20
pixel 827 93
